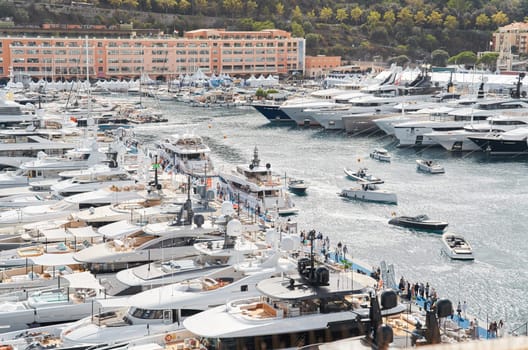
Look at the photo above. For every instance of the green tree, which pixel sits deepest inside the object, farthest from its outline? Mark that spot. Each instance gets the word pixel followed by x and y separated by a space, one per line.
pixel 115 3
pixel 460 7
pixel 279 7
pixel 297 14
pixel 232 6
pixel 435 18
pixel 251 7
pixel 184 5
pixel 341 15
pixel 373 18
pixel 400 60
pixel 297 30
pixel 482 21
pixel 200 6
pixel 389 18
pixel 166 4
pixel 406 17
pixel 131 3
pixel 500 18
pixel 450 22
pixel 420 18
pixel 464 57
pixel 355 14
pixel 326 13
pixel 439 57
pixel 311 14
pixel 312 40
pixel 489 60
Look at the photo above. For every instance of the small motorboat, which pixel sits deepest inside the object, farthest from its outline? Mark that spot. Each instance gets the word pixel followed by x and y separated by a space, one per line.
pixel 429 166
pixel 297 186
pixel 362 175
pixel 369 192
pixel 456 247
pixel 419 222
pixel 380 154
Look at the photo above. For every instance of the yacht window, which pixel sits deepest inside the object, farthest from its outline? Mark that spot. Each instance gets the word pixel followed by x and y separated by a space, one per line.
pixel 147 314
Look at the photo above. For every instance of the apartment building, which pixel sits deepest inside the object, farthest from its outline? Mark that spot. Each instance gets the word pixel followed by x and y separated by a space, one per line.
pixel 218 51
pixel 509 41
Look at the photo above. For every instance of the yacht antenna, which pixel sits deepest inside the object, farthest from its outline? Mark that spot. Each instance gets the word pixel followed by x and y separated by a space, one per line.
pixel 256 161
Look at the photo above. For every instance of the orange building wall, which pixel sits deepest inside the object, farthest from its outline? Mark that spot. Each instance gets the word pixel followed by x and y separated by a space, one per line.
pixel 317 66
pixel 213 51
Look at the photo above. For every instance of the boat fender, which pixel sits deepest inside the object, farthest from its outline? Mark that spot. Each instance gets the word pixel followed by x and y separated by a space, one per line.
pixel 168 338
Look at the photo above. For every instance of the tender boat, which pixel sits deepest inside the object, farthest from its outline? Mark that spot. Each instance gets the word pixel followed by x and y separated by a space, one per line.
pixel 429 166
pixel 369 192
pixel 456 247
pixel 362 175
pixel 380 154
pixel 419 222
pixel 297 186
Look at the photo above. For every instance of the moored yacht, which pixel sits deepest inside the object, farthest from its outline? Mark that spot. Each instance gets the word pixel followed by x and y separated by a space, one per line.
pixel 258 187
pixel 162 309
pixel 54 305
pixel 506 143
pixel 296 310
pixel 414 133
pixel 459 140
pixel 188 154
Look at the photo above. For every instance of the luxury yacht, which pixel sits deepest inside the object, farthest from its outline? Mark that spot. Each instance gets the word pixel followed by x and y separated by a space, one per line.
pixel 162 310
pixel 415 133
pixel 506 143
pixel 150 242
pixel 53 305
pixel 188 154
pixel 459 140
pixel 310 307
pixel 258 187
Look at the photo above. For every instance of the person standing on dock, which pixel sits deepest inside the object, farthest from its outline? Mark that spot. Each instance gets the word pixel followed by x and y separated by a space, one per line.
pixel 459 311
pixel 464 309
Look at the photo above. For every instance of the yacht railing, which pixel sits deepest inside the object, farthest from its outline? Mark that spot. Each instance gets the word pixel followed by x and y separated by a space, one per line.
pixel 521 330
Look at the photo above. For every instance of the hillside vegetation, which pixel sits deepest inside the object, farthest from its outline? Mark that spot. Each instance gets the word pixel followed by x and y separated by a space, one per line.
pixel 364 29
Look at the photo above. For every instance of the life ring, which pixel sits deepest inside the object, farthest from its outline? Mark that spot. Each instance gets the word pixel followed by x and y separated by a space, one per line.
pixel 168 338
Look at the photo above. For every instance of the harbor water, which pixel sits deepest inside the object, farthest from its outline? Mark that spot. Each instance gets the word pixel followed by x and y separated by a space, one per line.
pixel 483 198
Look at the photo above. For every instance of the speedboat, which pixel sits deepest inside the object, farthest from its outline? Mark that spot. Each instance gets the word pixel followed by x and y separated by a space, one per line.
pixel 419 222
pixel 258 187
pixel 429 166
pixel 297 186
pixel 456 247
pixel 369 192
pixel 380 154
pixel 362 175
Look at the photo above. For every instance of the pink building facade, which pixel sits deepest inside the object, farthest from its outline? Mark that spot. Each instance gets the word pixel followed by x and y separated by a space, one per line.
pixel 210 50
